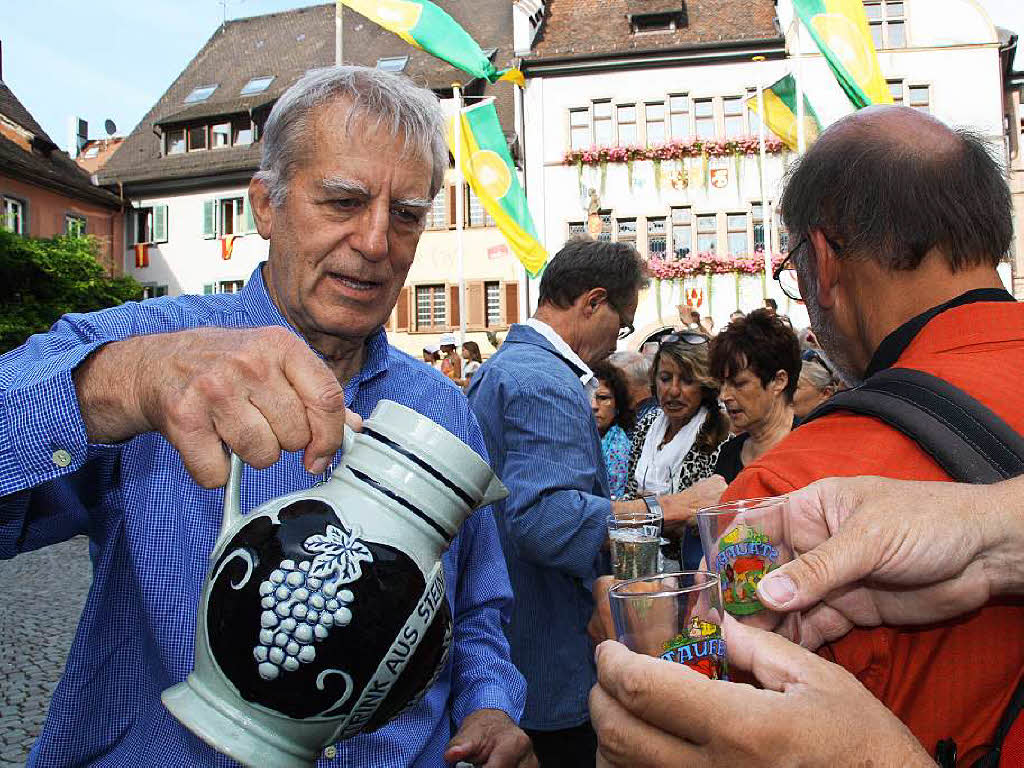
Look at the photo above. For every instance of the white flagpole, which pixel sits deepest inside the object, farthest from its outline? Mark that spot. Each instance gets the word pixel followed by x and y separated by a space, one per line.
pixel 460 213
pixel 339 32
pixel 801 137
pixel 766 219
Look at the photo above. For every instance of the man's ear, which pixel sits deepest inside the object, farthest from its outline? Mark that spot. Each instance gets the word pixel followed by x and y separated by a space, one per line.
pixel 262 210
pixel 591 300
pixel 826 268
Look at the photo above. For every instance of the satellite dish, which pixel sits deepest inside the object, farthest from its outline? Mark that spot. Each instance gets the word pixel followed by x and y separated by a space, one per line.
pixel 111 128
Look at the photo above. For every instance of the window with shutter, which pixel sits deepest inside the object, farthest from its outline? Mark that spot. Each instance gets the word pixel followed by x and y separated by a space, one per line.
pixel 511 304
pixel 453 303
pixel 402 311
pixel 209 219
pixel 492 298
pixel 451 205
pixel 159 223
pixel 248 220
pixel 430 308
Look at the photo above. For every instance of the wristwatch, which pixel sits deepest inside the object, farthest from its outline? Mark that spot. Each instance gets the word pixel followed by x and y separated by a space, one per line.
pixel 653 505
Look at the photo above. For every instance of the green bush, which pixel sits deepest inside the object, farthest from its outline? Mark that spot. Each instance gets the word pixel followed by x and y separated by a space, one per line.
pixel 40 280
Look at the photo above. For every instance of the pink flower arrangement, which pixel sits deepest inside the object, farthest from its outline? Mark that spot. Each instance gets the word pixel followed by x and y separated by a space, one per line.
pixel 676 149
pixel 710 263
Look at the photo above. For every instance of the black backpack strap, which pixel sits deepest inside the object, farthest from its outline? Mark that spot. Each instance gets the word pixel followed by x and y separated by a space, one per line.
pixel 970 442
pixel 1010 714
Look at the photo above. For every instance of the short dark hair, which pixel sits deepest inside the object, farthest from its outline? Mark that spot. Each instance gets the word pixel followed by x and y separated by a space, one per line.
pixel 762 342
pixel 889 200
pixel 615 380
pixel 584 264
pixel 770 302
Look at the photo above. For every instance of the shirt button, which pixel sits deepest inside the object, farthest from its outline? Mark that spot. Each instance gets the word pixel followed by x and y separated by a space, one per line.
pixel 61 458
pixel 331 752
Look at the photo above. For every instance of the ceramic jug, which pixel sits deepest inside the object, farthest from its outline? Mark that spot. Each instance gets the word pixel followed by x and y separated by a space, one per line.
pixel 324 612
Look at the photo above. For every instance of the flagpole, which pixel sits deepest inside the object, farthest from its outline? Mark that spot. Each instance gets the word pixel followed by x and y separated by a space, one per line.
pixel 460 212
pixel 339 32
pixel 766 219
pixel 801 137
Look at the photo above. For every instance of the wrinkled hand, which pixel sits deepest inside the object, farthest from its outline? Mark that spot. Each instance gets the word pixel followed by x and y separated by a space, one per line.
pixel 681 508
pixel 650 713
pixel 258 391
pixel 881 551
pixel 490 739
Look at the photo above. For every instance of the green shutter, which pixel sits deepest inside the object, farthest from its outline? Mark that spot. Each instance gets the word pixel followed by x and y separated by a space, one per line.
pixel 249 223
pixel 159 223
pixel 209 288
pixel 209 219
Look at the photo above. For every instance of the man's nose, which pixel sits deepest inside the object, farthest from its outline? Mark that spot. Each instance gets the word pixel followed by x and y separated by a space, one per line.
pixel 371 236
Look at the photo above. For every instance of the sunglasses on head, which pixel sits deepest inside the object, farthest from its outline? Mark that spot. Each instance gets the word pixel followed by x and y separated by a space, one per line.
pixel 695 339
pixel 813 355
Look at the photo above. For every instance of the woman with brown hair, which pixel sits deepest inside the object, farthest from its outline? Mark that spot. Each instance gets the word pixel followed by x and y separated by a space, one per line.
pixel 676 445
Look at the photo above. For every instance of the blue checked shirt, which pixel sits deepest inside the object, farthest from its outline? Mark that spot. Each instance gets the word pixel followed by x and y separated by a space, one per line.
pixel 152 529
pixel 540 432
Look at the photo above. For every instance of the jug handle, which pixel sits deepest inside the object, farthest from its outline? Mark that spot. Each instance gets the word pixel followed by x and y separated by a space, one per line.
pixel 233 489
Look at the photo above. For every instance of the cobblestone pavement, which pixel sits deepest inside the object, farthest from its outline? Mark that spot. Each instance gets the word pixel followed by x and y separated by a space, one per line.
pixel 40 602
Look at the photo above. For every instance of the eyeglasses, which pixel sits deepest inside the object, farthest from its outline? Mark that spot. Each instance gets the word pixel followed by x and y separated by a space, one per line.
pixel 785 273
pixel 694 339
pixel 624 328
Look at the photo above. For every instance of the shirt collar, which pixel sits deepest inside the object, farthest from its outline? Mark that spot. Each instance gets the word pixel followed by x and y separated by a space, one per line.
pixel 562 348
pixel 896 343
pixel 262 309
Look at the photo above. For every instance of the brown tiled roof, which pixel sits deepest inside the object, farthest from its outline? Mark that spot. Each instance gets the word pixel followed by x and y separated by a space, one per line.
pixel 104 149
pixel 14 111
pixel 586 27
pixel 39 161
pixel 287 45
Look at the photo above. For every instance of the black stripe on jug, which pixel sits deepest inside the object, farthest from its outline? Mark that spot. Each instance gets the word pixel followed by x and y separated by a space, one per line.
pixel 394 496
pixel 423 465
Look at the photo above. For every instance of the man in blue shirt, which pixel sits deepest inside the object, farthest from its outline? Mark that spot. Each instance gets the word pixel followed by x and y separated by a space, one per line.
pixel 533 404
pixel 113 425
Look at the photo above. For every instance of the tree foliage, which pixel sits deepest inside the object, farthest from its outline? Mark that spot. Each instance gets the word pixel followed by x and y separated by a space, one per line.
pixel 41 280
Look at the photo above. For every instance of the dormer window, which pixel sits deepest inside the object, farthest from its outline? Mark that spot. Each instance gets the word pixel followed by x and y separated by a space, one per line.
pixel 654 22
pixel 256 85
pixel 392 63
pixel 175 141
pixel 200 94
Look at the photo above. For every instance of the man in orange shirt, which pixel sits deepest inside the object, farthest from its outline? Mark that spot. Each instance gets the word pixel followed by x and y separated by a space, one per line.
pixel 900 224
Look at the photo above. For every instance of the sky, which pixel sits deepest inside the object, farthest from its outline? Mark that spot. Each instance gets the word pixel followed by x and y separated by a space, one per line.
pixel 114 58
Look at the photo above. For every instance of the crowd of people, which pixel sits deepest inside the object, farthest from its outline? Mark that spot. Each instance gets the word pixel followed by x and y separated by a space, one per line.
pixel 114 425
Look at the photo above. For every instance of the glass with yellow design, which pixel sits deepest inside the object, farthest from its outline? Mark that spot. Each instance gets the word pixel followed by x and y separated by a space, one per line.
pixel 673 616
pixel 743 541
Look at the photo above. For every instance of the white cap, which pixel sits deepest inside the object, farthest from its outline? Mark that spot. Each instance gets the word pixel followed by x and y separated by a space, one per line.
pixel 447 338
pixel 432 349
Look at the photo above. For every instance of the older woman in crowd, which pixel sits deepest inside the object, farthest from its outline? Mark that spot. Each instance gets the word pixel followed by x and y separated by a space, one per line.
pixel 610 404
pixel 818 382
pixel 756 360
pixel 676 445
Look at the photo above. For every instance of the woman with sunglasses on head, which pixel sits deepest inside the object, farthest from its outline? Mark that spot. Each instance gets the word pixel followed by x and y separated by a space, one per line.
pixel 817 383
pixel 675 446
pixel 610 404
pixel 756 360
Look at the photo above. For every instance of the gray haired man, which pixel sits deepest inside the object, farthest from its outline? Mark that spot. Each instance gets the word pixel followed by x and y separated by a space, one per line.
pixel 135 399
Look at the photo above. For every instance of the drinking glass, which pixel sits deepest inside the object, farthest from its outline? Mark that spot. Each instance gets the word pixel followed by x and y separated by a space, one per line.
pixel 635 539
pixel 743 541
pixel 674 616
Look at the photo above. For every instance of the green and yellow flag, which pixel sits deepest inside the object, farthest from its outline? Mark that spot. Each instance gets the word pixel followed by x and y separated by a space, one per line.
pixel 840 29
pixel 781 111
pixel 487 166
pixel 423 25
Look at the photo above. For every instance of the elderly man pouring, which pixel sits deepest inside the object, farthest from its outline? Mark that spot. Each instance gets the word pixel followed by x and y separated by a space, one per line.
pixel 138 402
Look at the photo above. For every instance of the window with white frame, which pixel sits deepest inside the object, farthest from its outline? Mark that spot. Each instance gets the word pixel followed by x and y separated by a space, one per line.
pixel 579 128
pixel 625 231
pixel 430 307
pixel 492 309
pixel 757 217
pixel 175 141
pixel 707 233
pixel 149 224
pixel 736 226
pixel 704 118
pixel 437 216
pixel 919 97
pixel 14 215
pixel 682 232
pixel 200 94
pixel 74 225
pixel 753 119
pixel 679 116
pixel 224 286
pixel 888 23
pixel 732 109
pixel 152 291
pixel 231 212
pixel 256 85
pixel 241 132
pixel 577 229
pixel 625 117
pixel 657 237
pixel 603 135
pixel 220 135
pixel 478 215
pixel 654 118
